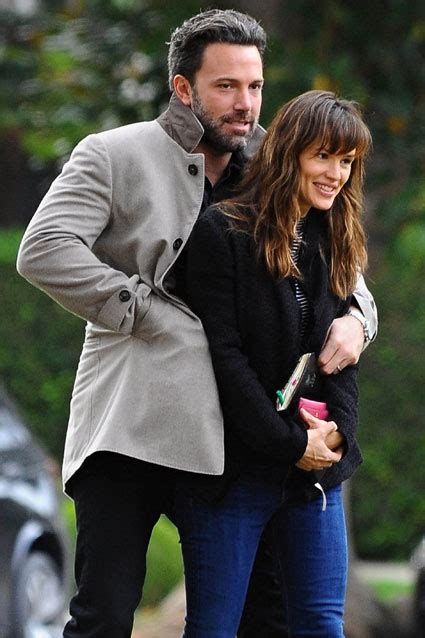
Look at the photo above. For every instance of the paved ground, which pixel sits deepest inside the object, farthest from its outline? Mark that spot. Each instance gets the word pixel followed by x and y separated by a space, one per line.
pixel 400 572
pixel 167 620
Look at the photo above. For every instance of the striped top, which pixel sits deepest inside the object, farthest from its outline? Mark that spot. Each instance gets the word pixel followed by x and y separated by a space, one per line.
pixel 302 300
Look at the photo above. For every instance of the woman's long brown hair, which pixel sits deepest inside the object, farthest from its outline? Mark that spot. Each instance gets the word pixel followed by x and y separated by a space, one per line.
pixel 271 186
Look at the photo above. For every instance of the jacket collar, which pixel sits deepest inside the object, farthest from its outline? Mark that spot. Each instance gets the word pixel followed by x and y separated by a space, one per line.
pixel 182 125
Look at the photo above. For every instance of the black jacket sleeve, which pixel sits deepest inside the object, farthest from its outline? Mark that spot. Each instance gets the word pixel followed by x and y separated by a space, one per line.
pixel 211 283
pixel 341 392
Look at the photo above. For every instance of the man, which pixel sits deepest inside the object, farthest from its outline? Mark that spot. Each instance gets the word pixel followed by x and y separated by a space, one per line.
pixel 106 243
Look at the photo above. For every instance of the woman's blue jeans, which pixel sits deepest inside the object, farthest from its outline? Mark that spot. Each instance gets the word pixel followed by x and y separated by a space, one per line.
pixel 219 543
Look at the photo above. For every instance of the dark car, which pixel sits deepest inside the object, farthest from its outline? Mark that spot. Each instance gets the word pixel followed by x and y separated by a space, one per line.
pixel 33 545
pixel 418 564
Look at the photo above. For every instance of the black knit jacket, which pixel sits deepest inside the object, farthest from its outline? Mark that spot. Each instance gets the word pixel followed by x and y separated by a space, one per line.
pixel 252 321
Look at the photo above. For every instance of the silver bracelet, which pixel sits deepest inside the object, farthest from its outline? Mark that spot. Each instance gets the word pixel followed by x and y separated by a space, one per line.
pixel 354 312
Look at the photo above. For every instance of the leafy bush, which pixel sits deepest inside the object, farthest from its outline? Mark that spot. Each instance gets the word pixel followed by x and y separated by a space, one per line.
pixel 164 563
pixel 388 503
pixel 40 345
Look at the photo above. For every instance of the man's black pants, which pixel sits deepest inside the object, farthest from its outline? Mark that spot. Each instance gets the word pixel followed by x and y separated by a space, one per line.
pixel 118 501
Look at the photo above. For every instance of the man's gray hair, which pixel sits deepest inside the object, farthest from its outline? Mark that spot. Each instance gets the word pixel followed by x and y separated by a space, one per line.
pixel 189 41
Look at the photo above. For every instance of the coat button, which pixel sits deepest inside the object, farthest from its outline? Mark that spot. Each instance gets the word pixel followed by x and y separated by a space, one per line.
pixel 124 295
pixel 177 243
pixel 193 169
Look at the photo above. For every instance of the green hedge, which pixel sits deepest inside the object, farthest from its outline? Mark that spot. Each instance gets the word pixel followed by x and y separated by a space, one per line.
pixel 388 490
pixel 40 345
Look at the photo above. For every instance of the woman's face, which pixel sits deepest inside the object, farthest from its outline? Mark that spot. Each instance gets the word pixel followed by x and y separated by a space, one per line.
pixel 322 175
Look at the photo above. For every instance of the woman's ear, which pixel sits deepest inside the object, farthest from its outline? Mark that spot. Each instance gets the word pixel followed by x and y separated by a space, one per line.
pixel 183 89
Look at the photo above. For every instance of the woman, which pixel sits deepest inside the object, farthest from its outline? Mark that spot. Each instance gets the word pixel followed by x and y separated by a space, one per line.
pixel 267 272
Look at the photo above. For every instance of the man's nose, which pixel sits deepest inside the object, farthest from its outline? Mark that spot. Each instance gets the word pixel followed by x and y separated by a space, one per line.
pixel 243 101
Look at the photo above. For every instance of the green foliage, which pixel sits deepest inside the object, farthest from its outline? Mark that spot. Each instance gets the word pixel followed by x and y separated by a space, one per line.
pixel 83 67
pixel 164 563
pixel 40 345
pixel 389 591
pixel 388 502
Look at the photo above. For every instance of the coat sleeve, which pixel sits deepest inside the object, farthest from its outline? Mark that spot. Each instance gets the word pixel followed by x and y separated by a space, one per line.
pixel 341 391
pixel 210 288
pixel 56 251
pixel 367 305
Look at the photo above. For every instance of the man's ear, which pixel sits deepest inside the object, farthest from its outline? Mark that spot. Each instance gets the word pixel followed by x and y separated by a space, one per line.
pixel 182 89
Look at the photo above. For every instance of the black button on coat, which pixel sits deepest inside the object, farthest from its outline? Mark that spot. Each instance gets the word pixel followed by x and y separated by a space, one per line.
pixel 124 295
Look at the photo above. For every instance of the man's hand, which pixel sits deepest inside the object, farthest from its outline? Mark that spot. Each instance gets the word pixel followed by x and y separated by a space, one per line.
pixel 343 345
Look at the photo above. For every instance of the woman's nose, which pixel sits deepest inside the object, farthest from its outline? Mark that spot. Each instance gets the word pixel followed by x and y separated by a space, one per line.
pixel 333 169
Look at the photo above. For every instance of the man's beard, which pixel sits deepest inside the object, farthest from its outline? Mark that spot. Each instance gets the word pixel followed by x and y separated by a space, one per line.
pixel 214 135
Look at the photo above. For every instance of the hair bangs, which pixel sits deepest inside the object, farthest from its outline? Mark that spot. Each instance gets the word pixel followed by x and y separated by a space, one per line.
pixel 342 131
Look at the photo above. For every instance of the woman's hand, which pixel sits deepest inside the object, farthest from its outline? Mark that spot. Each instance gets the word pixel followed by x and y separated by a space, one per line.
pixel 334 440
pixel 321 434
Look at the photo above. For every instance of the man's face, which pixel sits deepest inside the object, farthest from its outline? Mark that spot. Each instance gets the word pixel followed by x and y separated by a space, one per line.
pixel 226 95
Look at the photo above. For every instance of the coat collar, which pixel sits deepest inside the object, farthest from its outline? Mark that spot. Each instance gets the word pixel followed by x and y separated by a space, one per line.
pixel 182 125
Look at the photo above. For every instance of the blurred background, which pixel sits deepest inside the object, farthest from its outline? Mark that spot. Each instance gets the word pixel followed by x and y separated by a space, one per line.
pixel 71 67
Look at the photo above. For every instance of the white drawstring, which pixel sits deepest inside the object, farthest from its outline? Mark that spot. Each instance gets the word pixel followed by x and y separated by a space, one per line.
pixel 324 501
